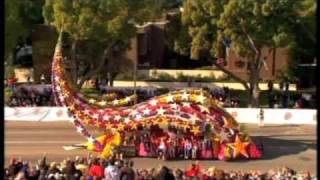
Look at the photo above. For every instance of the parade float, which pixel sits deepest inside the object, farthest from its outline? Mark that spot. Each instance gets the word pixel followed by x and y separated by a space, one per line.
pixel 192 111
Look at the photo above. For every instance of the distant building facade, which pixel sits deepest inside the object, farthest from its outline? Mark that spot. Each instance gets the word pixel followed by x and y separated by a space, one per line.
pixel 148 48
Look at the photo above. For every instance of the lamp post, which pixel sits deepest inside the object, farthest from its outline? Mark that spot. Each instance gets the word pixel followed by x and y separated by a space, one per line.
pixel 135 64
pixel 135 68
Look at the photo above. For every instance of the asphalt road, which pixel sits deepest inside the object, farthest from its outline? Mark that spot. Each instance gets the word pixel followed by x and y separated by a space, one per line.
pixel 291 146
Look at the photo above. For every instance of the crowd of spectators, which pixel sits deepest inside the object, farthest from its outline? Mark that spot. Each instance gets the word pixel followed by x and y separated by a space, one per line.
pixel 29 97
pixel 223 95
pixel 93 168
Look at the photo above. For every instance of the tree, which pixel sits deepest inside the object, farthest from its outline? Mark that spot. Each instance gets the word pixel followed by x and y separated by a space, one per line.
pixel 98 23
pixel 14 27
pixel 249 25
pixel 99 31
pixel 302 50
pixel 20 16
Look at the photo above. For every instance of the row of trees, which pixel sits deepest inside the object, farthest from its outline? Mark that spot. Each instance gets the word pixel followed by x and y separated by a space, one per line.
pixel 207 28
pixel 100 31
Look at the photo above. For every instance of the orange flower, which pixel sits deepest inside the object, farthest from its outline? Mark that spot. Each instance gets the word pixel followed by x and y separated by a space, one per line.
pixel 239 147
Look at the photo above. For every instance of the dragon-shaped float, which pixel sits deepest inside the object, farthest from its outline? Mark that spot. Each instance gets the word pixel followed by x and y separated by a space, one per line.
pixel 186 109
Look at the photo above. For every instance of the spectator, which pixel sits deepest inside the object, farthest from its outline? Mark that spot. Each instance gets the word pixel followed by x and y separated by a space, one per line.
pixel 82 166
pixel 68 170
pixel 194 171
pixel 126 172
pixel 112 172
pixel 96 170
pixel 165 174
pixel 53 170
pixel 179 174
pixel 21 176
pixel 33 173
pixel 13 169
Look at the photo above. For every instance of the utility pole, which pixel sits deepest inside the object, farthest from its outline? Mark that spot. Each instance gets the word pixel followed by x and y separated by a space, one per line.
pixel 135 64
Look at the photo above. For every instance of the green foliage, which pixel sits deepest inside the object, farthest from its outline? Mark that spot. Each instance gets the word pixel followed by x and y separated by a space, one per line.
pixel 250 25
pixel 244 128
pixel 101 21
pixel 8 92
pixel 127 76
pixel 32 12
pixel 9 71
pixel 303 50
pixel 20 16
pixel 90 91
pixel 100 31
pixel 177 37
pixel 182 78
pixel 207 22
pixel 14 27
pixel 268 23
pixel 165 77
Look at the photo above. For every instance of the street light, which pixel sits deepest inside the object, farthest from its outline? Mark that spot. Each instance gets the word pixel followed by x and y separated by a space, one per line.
pixel 132 21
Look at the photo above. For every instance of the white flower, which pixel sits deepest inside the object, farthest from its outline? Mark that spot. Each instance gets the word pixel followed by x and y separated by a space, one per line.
pixel 193 118
pixel 204 109
pixel 58 88
pixel 186 104
pixel 91 139
pixel 103 103
pixel 79 129
pixel 185 96
pixel 138 117
pixel 146 111
pixel 95 116
pixel 117 117
pixel 115 102
pixel 153 102
pixel 86 111
pixel 174 106
pixel 134 112
pixel 127 99
pixel 161 111
pixel 127 120
pixel 224 136
pixel 169 98
pixel 201 98
pixel 106 117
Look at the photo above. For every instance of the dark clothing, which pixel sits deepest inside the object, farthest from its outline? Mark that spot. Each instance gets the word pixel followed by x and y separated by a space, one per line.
pixel 13 170
pixel 127 173
pixel 165 174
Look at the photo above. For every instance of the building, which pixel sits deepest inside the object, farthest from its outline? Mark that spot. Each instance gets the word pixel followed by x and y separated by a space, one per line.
pixel 149 50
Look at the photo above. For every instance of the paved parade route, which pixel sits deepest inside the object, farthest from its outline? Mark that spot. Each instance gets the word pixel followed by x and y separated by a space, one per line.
pixel 292 146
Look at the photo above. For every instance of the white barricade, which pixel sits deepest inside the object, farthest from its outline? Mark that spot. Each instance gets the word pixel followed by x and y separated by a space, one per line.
pixel 45 114
pixel 274 116
pixel 242 115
